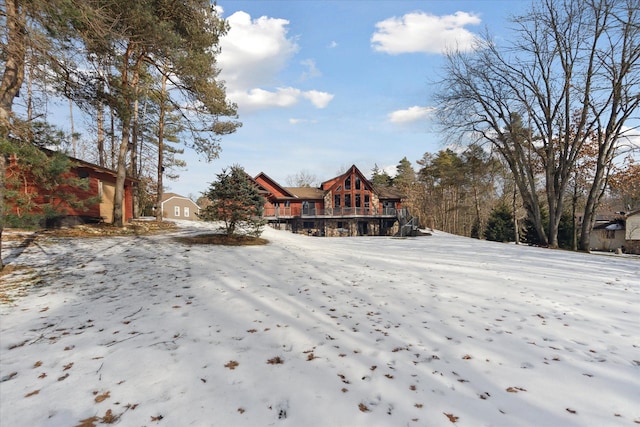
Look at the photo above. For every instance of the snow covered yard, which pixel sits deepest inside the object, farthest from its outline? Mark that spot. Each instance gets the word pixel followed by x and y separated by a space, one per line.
pixel 306 331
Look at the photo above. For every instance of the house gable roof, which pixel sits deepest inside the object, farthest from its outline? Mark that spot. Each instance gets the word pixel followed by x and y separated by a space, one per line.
pixel 271 186
pixel 387 193
pixel 307 193
pixel 173 196
pixel 79 163
pixel 332 184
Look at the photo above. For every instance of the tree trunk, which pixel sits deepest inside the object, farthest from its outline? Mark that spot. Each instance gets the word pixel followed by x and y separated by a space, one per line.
pixel 13 75
pixel 73 136
pixel 3 167
pixel 161 115
pixel 526 185
pixel 12 78
pixel 118 202
pixel 574 208
pixel 112 149
pixel 552 202
pixel 516 231
pixel 478 219
pixel 593 200
pixel 125 118
pixel 133 166
pixel 30 93
pixel 100 132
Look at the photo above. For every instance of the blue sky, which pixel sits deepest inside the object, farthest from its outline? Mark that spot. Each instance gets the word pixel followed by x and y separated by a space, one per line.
pixel 322 85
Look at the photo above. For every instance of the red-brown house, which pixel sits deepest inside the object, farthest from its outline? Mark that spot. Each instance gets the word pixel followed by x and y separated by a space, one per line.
pixel 347 205
pixel 101 184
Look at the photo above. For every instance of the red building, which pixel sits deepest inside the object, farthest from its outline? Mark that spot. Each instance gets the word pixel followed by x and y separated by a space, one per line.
pixel 347 205
pixel 99 190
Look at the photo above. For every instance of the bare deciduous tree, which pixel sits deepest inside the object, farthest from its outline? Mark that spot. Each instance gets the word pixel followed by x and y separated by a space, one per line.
pixel 571 71
pixel 303 178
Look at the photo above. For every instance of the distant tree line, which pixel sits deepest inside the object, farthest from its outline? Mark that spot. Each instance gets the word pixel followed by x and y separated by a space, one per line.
pixel 470 191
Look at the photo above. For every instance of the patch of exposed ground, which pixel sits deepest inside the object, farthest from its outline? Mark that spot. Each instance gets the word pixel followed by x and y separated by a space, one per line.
pixel 222 239
pixel 134 228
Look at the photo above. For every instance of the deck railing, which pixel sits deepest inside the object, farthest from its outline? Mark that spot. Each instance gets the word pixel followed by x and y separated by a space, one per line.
pixel 287 212
pixel 277 212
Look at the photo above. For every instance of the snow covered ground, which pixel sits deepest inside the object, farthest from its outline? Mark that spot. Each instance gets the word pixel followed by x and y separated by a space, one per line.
pixel 307 331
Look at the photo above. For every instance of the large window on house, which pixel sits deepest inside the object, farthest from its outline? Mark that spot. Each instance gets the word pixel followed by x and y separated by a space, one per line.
pixel 186 212
pixel 308 224
pixel 358 201
pixel 347 183
pixel 176 210
pixel 347 200
pixel 358 184
pixel 336 201
pixel 367 200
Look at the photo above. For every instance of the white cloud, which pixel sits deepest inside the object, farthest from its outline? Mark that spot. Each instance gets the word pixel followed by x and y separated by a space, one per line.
pixel 255 99
pixel 333 44
pixel 254 52
pixel 423 32
pixel 391 170
pixel 317 98
pixel 410 115
pixel 259 98
pixel 312 69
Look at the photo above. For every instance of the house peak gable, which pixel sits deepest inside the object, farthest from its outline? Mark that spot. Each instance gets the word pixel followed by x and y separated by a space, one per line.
pixel 168 196
pixel 334 183
pixel 270 185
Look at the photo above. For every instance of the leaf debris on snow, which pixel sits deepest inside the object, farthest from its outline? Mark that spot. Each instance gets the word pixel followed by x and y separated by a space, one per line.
pixel 496 304
pixel 275 361
pixel 232 364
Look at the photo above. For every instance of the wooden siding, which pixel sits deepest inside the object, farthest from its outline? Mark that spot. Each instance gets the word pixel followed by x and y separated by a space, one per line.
pixel 632 227
pixel 97 179
pixel 174 201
